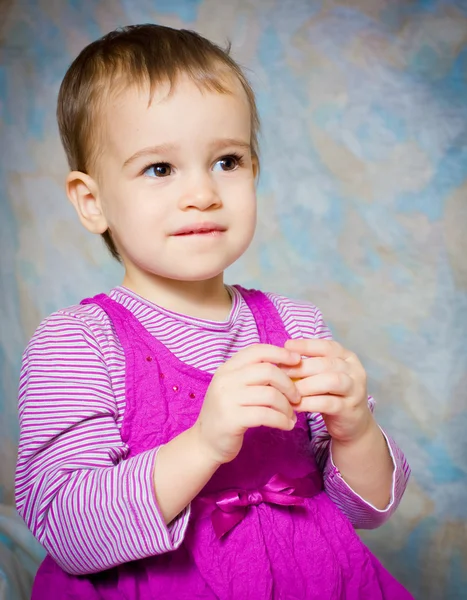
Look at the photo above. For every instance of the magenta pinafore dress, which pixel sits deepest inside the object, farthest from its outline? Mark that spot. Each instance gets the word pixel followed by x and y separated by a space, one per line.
pixel 261 529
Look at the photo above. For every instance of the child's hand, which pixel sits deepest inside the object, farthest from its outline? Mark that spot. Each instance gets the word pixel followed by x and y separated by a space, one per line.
pixel 248 390
pixel 332 382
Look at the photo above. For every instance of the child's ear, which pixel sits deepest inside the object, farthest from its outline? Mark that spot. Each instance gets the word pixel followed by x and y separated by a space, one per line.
pixel 83 192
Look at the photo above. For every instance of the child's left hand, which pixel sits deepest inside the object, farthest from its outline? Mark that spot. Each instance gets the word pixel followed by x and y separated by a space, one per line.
pixel 332 381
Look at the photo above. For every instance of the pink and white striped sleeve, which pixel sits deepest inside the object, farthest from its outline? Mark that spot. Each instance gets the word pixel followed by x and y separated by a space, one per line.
pixel 303 320
pixel 89 508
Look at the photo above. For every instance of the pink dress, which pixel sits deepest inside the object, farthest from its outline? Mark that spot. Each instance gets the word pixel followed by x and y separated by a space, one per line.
pixel 262 528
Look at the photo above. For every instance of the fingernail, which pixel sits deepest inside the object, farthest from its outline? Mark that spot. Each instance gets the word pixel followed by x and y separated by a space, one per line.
pixel 295 356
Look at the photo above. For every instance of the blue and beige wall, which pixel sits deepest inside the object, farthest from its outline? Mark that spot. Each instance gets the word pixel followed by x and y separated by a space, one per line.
pixel 363 210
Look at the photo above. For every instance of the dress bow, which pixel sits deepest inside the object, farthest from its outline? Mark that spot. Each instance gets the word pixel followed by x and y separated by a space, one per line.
pixel 229 507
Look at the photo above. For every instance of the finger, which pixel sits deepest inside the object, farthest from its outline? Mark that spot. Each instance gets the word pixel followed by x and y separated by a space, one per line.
pixel 259 353
pixel 315 366
pixel 315 347
pixel 269 397
pixel 333 382
pixel 266 374
pixel 259 416
pixel 327 404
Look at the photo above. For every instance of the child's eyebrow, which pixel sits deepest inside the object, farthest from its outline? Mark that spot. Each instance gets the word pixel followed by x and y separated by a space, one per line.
pixel 223 143
pixel 150 151
pixel 216 145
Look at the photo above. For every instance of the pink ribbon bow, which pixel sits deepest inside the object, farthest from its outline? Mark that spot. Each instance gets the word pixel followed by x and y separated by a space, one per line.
pixel 231 506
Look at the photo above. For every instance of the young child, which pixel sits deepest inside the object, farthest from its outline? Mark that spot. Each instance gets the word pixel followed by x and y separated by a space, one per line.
pixel 176 434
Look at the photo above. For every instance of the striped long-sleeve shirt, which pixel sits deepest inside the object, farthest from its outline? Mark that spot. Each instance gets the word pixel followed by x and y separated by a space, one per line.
pixel 91 509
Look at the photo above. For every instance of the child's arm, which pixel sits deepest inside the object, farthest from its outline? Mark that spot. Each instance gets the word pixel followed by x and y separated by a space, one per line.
pixel 357 477
pixel 88 507
pixel 351 498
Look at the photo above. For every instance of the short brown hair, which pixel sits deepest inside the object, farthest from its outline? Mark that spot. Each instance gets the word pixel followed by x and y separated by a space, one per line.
pixel 135 55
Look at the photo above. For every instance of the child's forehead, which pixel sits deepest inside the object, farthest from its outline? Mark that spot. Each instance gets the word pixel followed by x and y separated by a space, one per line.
pixel 179 113
pixel 137 104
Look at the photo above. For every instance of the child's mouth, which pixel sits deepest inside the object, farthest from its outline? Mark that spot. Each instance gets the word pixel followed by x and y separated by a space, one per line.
pixel 201 230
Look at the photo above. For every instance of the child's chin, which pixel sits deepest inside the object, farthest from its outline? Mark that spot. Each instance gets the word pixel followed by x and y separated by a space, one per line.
pixel 194 274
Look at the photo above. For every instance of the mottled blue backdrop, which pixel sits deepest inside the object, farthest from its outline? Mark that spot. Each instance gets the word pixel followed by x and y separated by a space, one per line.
pixel 363 202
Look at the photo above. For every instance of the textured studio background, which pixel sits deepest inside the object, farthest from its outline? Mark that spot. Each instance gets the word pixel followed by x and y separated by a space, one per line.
pixel 363 202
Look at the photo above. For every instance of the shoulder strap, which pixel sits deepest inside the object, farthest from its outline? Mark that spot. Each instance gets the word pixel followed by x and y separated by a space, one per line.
pixel 270 326
pixel 126 324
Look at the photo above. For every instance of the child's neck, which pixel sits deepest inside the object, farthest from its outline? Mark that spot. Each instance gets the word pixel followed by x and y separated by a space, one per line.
pixel 208 300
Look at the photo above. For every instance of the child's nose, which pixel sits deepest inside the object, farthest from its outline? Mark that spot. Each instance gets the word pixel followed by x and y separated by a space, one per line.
pixel 200 193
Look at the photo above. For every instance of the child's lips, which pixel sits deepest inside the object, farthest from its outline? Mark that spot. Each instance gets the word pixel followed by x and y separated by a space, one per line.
pixel 200 229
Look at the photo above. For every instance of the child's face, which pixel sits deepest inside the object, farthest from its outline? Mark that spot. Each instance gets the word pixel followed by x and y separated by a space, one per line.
pixel 204 177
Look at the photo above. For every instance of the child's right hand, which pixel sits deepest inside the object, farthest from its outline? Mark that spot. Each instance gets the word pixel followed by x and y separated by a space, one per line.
pixel 249 390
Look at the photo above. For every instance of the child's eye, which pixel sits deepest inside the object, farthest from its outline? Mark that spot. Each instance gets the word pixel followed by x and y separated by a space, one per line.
pixel 227 163
pixel 158 170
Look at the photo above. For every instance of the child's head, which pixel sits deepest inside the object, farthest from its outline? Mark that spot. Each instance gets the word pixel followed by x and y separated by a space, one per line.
pixel 160 130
